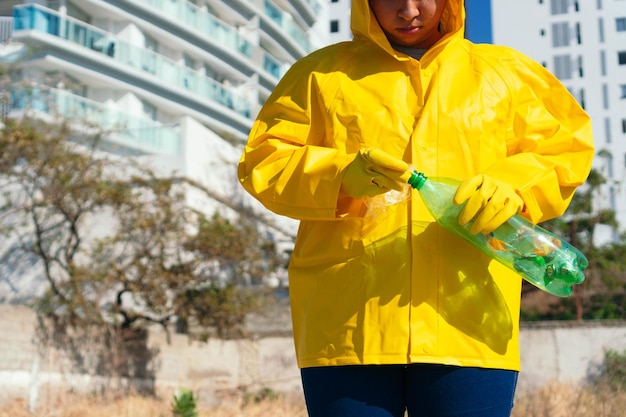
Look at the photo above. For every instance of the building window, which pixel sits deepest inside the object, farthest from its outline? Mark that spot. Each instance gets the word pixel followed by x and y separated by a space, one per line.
pixel 559 6
pixel 599 4
pixel 563 67
pixel 150 43
pixel 607 130
pixel 581 99
pixel 579 37
pixel 188 61
pixel 623 125
pixel 612 198
pixel 149 110
pixel 601 30
pixel 621 57
pixel 622 91
pixel 605 96
pixel 603 62
pixel 620 24
pixel 334 26
pixel 581 71
pixel 560 34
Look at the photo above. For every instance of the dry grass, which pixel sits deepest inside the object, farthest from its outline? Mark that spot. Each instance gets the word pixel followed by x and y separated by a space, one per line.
pixel 555 400
pixel 558 400
pixel 138 406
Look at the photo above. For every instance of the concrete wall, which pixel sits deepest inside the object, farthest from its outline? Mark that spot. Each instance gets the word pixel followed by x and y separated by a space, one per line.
pixel 566 351
pixel 553 351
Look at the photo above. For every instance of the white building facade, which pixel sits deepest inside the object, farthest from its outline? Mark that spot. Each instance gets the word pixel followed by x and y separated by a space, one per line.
pixel 177 83
pixel 179 80
pixel 339 20
pixel 582 42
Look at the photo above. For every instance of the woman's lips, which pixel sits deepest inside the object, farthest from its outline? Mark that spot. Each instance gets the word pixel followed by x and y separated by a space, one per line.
pixel 409 30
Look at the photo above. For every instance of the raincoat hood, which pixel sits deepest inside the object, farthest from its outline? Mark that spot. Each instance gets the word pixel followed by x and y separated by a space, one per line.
pixel 364 23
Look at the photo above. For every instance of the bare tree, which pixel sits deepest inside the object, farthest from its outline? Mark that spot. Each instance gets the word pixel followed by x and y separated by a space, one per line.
pixel 118 247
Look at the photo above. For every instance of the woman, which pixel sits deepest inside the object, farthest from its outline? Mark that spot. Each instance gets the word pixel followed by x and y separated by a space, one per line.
pixel 391 312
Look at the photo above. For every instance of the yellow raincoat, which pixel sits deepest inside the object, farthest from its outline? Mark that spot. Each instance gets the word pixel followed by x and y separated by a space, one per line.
pixel 395 288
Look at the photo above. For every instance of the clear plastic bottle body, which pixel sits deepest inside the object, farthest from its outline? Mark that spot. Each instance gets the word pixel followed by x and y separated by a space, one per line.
pixel 539 256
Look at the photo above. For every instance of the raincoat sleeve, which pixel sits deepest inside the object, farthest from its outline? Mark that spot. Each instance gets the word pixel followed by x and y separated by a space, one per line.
pixel 287 164
pixel 549 142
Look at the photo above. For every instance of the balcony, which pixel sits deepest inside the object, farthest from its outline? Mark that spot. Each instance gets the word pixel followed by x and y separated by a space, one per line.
pixel 272 66
pixel 120 128
pixel 191 16
pixel 308 9
pixel 6 29
pixel 285 22
pixel 167 71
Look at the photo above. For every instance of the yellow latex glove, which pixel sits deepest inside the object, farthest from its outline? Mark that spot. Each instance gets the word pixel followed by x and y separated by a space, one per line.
pixel 373 172
pixel 490 203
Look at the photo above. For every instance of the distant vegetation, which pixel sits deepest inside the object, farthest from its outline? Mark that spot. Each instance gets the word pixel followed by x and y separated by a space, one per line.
pixel 603 294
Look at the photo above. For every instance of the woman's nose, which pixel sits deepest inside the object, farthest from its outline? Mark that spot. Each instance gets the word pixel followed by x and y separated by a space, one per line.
pixel 408 9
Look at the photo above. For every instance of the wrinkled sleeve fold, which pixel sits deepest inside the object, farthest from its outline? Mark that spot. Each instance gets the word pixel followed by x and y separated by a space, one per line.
pixel 285 164
pixel 550 142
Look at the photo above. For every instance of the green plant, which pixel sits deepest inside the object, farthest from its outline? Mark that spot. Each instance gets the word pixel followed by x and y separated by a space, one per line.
pixel 184 404
pixel 264 394
pixel 614 369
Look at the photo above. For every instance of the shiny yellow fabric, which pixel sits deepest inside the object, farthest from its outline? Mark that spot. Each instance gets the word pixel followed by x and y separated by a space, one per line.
pixel 392 287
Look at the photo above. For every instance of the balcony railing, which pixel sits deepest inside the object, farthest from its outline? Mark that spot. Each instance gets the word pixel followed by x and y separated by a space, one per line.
pixel 284 21
pixel 272 66
pixel 130 131
pixel 315 5
pixel 32 17
pixel 6 29
pixel 190 15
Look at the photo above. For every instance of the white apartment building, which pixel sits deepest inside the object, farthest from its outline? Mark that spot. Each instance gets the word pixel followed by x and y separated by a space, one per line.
pixel 339 20
pixel 582 42
pixel 176 82
pixel 180 80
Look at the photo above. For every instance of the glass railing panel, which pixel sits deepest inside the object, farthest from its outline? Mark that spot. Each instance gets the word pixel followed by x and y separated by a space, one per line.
pixel 271 65
pixel 131 130
pixel 34 18
pixel 276 14
pixel 273 12
pixel 168 71
pixel 315 5
pixel 190 15
pixel 298 35
pixel 6 28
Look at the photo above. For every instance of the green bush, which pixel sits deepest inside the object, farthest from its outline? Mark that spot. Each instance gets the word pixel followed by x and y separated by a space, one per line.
pixel 264 394
pixel 184 404
pixel 614 369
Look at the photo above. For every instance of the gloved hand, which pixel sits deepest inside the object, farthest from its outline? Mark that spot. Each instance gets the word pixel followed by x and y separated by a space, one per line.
pixel 373 172
pixel 490 203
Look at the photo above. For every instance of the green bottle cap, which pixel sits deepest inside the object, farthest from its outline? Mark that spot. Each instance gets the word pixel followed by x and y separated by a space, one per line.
pixel 417 180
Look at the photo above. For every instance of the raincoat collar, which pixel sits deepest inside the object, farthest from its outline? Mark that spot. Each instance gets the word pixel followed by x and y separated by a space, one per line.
pixel 365 25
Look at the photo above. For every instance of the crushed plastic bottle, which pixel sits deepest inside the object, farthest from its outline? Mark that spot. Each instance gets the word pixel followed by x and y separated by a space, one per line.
pixel 378 205
pixel 540 257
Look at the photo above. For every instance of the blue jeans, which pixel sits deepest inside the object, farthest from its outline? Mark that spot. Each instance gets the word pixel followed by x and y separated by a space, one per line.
pixel 424 390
